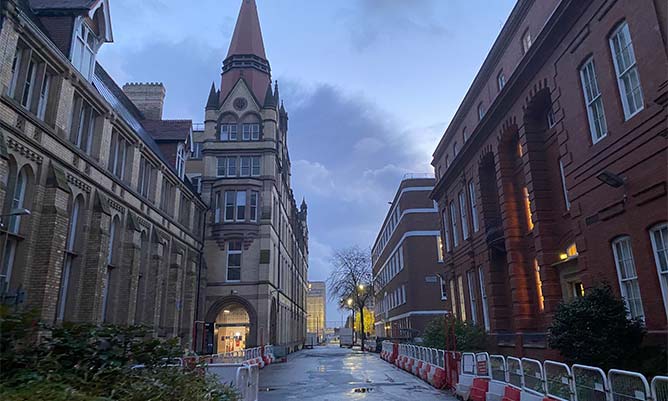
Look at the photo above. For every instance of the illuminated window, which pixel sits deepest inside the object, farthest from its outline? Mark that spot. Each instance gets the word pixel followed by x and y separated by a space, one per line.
pixel 446 231
pixel 439 243
pixel 539 286
pixel 453 304
pixel 572 250
pixel 527 208
pixel 462 303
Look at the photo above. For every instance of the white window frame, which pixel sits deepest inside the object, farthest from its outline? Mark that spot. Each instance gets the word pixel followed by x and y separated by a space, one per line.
pixel 18 200
pixel 473 301
pixel 180 160
pixel 82 49
pixel 444 288
pixel 229 132
pixel 631 70
pixel 245 166
pixel 462 214
pixel 526 41
pixel 660 252
pixel 227 270
pixel 217 203
pixel 567 201
pixel 446 230
pixel 593 101
pixel 230 199
pixel 453 221
pixel 483 298
pixel 240 206
pixel 254 201
pixel 473 201
pixel 462 300
pixel 624 280
pixel 29 84
pixel 481 111
pixel 256 166
pixel 501 80
pixel 17 63
pixel 43 99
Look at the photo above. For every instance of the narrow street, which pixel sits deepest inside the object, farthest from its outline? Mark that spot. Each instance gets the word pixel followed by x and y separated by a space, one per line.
pixel 330 373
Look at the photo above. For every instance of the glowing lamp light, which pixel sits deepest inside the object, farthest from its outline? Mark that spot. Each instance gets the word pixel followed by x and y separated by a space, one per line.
pixel 350 301
pixel 226 311
pixel 563 256
pixel 361 286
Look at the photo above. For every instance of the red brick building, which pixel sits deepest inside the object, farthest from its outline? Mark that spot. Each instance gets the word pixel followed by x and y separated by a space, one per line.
pixel 407 263
pixel 552 173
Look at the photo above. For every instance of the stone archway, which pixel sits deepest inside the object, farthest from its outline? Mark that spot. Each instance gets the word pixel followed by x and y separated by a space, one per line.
pixel 234 323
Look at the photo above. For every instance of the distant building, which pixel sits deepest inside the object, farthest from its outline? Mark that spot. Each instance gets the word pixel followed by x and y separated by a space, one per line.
pixel 408 264
pixel 114 233
pixel 256 240
pixel 316 301
pixel 552 173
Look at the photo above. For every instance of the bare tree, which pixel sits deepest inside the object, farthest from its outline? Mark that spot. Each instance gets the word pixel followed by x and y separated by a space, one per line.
pixel 351 279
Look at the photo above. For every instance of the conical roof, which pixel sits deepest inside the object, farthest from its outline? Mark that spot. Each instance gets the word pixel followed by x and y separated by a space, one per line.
pixel 247 37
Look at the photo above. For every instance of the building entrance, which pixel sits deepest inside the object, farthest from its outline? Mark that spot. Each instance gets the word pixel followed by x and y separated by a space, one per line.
pixel 232 328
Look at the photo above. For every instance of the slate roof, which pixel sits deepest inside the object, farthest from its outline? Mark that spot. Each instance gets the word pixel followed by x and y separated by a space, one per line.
pixel 168 130
pixel 62 4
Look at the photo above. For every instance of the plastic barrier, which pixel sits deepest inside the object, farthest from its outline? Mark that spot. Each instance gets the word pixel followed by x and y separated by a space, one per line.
pixel 482 366
pixel 533 378
pixel 479 389
pixel 660 388
pixel 498 373
pixel 590 383
pixel 514 366
pixel 511 393
pixel 559 382
pixel 467 375
pixel 628 386
pixel 243 377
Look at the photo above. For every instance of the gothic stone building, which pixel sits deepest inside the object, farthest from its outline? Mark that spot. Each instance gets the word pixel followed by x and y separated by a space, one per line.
pixel 114 233
pixel 256 240
pixel 552 173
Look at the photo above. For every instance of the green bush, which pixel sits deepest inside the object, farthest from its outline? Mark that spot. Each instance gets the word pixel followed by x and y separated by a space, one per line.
pixel 595 330
pixel 470 338
pixel 81 362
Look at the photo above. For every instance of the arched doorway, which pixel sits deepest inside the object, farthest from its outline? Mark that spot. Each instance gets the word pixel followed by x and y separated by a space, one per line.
pixel 232 328
pixel 233 323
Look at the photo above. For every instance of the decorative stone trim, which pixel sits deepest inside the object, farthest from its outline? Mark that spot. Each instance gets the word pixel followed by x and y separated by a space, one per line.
pixel 116 206
pixel 78 183
pixel 24 150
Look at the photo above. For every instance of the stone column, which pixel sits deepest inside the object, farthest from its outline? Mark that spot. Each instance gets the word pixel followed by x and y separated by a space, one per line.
pixel 43 284
pixel 95 262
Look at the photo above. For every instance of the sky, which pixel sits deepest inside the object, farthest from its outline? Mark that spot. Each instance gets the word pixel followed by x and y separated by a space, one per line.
pixel 370 87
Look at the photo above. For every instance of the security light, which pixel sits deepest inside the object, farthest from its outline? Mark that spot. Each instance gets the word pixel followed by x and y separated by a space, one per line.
pixel 610 178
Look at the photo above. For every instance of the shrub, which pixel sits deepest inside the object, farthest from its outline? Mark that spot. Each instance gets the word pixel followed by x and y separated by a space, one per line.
pixel 470 338
pixel 82 362
pixel 595 330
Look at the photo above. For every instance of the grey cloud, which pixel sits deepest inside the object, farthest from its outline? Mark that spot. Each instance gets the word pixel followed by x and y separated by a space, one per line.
pixel 370 21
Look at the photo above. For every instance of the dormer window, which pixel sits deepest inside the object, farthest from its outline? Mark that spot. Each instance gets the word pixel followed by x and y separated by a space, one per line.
pixel 85 48
pixel 180 161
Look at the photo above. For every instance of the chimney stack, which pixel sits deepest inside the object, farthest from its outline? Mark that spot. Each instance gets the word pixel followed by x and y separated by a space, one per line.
pixel 148 97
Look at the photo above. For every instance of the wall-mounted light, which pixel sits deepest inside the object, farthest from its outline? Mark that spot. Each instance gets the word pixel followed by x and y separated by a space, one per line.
pixel 610 178
pixel 563 256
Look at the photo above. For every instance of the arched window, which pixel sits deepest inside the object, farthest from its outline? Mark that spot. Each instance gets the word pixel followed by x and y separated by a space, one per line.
pixel 70 255
pixel 13 227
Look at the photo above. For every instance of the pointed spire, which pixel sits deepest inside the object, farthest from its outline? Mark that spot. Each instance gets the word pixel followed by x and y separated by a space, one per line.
pixel 277 98
pixel 269 99
pixel 212 103
pixel 247 37
pixel 303 206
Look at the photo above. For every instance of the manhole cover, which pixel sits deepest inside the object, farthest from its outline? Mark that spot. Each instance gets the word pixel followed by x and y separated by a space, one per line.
pixel 362 390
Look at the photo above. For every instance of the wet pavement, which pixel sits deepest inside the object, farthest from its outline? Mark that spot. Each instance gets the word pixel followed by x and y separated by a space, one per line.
pixel 330 373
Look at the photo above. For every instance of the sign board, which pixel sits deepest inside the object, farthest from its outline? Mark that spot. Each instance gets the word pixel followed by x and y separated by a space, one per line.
pixel 431 279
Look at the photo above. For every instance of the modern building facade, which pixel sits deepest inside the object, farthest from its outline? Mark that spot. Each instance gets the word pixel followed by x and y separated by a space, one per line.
pixel 114 230
pixel 552 173
pixel 407 263
pixel 256 240
pixel 316 301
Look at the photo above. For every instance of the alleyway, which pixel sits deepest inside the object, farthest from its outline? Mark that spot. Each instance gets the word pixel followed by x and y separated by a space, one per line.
pixel 331 373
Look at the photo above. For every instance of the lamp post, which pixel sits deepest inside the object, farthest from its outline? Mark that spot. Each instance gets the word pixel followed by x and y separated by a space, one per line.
pixel 12 213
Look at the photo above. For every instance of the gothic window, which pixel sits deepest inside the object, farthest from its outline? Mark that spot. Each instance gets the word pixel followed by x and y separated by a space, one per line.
pixel 13 226
pixel 30 82
pixel 64 299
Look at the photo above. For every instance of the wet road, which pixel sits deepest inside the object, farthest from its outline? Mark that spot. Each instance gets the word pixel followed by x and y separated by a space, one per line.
pixel 331 373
